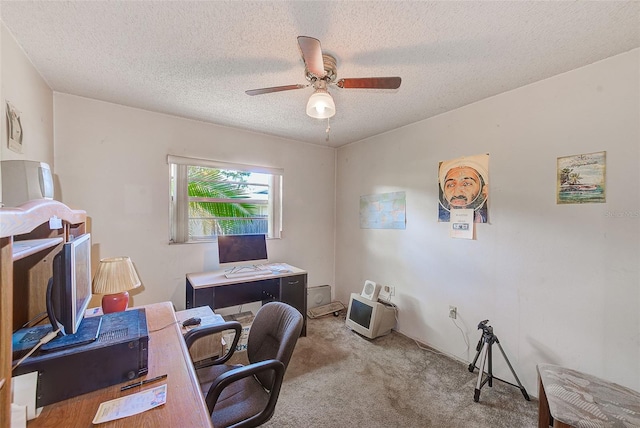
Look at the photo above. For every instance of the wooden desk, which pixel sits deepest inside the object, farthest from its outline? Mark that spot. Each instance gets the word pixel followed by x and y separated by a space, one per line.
pixel 168 354
pixel 285 283
pixel 569 398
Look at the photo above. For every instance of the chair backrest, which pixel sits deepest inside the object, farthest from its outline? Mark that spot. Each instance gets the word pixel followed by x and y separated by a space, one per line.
pixel 273 335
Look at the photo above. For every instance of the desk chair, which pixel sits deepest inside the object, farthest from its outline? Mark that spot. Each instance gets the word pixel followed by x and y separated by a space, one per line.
pixel 246 396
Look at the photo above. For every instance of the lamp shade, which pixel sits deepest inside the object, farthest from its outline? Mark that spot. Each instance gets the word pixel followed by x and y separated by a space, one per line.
pixel 321 105
pixel 115 275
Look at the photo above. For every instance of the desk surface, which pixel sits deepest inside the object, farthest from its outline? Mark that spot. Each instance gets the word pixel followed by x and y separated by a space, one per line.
pixel 168 354
pixel 217 277
pixel 578 399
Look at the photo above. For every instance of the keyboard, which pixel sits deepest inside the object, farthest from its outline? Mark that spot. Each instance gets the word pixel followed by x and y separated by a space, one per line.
pixel 319 311
pixel 247 273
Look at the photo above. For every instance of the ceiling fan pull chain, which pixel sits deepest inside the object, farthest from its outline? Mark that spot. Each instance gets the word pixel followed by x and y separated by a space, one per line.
pixel 328 129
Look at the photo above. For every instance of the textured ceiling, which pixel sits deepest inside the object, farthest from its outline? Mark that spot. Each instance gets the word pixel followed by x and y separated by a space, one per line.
pixel 196 59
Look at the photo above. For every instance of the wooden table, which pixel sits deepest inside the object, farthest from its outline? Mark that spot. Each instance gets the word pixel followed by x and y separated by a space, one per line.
pixel 569 398
pixel 168 354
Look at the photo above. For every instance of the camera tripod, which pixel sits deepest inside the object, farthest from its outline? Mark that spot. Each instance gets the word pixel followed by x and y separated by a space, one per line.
pixel 484 353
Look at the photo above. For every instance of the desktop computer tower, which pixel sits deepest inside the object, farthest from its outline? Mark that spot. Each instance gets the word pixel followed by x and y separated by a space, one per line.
pixel 119 354
pixel 318 296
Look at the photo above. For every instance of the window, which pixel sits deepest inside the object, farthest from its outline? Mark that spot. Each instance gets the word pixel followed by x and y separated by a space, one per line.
pixel 210 198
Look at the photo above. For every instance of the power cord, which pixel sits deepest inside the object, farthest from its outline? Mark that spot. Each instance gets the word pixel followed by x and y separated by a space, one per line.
pixel 35 320
pixel 426 348
pixel 395 311
pixel 46 339
pixel 162 328
pixel 433 351
pixel 387 300
pixel 464 337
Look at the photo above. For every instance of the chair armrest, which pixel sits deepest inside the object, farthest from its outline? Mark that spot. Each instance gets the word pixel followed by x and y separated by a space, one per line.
pixel 194 334
pixel 234 375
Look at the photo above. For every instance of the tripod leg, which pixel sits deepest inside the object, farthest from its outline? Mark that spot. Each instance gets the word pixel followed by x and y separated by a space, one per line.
pixel 483 359
pixel 490 371
pixel 478 348
pixel 524 391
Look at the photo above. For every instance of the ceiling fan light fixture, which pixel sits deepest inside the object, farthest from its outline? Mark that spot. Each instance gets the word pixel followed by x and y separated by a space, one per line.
pixel 321 105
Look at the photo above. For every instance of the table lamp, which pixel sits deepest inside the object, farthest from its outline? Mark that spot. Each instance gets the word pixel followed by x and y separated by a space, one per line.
pixel 114 278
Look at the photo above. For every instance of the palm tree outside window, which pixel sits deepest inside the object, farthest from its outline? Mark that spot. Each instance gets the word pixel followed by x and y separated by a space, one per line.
pixel 210 198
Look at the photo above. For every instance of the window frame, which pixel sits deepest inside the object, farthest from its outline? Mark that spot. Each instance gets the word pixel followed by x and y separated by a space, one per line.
pixel 179 199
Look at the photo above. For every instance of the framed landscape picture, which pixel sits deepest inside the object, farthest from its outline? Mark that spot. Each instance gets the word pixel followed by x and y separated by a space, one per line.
pixel 581 179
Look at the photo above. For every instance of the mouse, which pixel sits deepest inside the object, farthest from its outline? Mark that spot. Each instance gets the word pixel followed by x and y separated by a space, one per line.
pixel 191 321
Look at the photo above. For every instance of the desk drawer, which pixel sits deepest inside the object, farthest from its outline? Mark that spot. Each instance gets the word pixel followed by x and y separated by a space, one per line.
pixel 293 290
pixel 224 296
pixel 238 294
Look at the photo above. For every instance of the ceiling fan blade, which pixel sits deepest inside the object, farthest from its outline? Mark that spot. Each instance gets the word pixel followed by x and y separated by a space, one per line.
pixel 370 83
pixel 274 89
pixel 312 55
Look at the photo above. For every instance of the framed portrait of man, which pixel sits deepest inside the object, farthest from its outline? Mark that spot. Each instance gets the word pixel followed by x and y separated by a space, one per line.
pixel 464 184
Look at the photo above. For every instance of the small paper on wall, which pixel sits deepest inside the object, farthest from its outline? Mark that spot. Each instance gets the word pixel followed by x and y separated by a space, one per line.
pixel 461 224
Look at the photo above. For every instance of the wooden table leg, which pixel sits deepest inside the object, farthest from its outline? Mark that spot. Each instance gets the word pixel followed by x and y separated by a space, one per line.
pixel 544 416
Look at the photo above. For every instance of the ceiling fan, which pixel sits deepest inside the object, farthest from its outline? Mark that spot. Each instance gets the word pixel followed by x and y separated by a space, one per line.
pixel 321 72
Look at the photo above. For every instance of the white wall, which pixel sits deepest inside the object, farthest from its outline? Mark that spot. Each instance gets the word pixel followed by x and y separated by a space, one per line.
pixel 111 162
pixel 559 283
pixel 21 84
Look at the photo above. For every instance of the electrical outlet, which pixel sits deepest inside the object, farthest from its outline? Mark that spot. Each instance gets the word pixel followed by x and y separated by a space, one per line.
pixel 386 292
pixel 453 312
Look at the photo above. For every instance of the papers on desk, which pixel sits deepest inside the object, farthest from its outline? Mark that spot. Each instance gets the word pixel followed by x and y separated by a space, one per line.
pixel 131 404
pixel 204 321
pixel 18 416
pixel 24 395
pixel 277 268
pixel 258 270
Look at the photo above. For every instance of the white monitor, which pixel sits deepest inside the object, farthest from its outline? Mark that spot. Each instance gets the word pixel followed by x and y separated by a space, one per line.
pixel 370 318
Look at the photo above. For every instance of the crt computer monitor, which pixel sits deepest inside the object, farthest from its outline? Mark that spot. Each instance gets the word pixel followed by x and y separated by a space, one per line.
pixel 369 318
pixel 69 291
pixel 242 248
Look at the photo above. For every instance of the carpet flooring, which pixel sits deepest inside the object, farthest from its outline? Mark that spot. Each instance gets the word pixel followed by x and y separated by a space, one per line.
pixel 337 378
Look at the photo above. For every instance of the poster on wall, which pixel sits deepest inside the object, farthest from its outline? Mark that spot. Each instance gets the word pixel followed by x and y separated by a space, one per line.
pixel 464 184
pixel 581 179
pixel 14 128
pixel 383 211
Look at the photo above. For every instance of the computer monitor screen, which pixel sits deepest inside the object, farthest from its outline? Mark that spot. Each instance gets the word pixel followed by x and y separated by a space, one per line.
pixel 69 291
pixel 360 313
pixel 242 248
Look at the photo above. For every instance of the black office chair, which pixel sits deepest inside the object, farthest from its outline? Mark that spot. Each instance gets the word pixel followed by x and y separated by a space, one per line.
pixel 246 396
